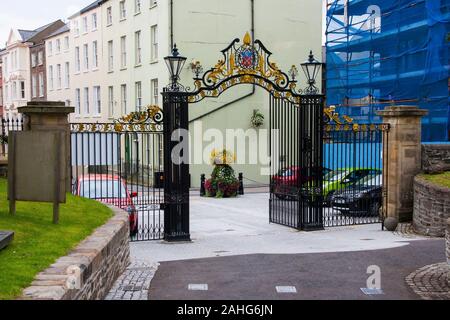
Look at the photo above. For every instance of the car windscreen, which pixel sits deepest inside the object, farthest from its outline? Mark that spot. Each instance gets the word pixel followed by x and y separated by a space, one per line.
pixel 371 180
pixel 334 176
pixel 285 173
pixel 103 189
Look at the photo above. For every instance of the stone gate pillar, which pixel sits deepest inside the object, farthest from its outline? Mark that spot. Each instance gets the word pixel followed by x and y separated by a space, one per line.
pixel 404 158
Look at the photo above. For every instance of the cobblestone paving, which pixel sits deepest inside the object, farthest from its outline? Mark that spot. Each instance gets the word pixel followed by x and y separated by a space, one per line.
pixel 430 282
pixel 134 283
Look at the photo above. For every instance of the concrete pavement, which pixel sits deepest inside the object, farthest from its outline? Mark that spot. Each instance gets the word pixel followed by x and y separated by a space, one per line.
pixel 228 227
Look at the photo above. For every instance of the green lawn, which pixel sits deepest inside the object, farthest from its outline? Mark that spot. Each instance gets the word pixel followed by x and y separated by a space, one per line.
pixel 37 242
pixel 442 179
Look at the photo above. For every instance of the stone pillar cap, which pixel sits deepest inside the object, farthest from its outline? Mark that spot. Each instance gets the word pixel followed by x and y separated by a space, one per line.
pixel 46 107
pixel 402 111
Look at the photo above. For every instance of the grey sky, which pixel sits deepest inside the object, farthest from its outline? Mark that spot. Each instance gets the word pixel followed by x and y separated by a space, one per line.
pixel 31 14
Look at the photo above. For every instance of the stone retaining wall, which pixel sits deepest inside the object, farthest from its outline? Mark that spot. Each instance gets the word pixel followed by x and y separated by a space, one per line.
pixel 448 248
pixel 89 271
pixel 431 208
pixel 435 158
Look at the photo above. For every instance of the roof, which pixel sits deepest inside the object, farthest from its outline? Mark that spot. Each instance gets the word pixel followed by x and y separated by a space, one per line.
pixel 28 34
pixel 61 30
pixel 89 7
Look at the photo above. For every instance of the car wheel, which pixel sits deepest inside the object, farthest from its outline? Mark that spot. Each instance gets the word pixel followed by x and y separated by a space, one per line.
pixel 280 196
pixel 329 199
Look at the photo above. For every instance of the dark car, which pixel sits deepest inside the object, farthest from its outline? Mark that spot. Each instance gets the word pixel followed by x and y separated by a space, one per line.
pixel 109 189
pixel 363 198
pixel 287 183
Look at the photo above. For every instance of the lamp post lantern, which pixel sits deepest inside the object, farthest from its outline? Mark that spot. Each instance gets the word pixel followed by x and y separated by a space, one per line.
pixel 311 68
pixel 175 63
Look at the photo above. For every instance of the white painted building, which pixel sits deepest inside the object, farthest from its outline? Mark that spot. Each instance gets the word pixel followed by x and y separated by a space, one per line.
pixel 16 72
pixel 59 63
pixel 117 50
pixel 87 57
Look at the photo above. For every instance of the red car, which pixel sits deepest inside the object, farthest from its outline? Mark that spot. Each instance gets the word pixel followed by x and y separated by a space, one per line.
pixel 109 189
pixel 287 182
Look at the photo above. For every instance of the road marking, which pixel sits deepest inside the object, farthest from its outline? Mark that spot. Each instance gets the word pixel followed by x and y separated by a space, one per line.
pixel 198 287
pixel 372 292
pixel 286 289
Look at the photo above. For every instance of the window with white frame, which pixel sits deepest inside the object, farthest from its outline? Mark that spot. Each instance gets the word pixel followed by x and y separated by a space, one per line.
pixel 97 101
pixel 40 58
pixel 111 101
pixel 67 75
pixel 94 54
pixel 138 48
pixel 123 10
pixel 86 56
pixel 5 65
pixel 58 76
pixel 86 101
pixel 14 90
pixel 77 59
pixel 7 92
pixel 76 28
pixel 110 56
pixel 155 92
pixel 123 51
pixel 50 48
pixel 137 6
pixel 109 16
pixel 123 98
pixel 50 77
pixel 154 42
pixel 33 87
pixel 58 46
pixel 138 87
pixel 41 84
pixel 94 21
pixel 66 43
pixel 33 60
pixel 85 25
pixel 153 3
pixel 77 101
pixel 22 89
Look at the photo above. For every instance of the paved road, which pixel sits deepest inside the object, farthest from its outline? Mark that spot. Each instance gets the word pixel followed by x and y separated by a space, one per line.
pixel 315 276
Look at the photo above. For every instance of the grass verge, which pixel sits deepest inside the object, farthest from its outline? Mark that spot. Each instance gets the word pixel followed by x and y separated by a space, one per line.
pixel 38 243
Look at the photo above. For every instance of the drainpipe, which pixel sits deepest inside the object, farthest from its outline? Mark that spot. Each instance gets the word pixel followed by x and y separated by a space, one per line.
pixel 171 24
pixel 252 3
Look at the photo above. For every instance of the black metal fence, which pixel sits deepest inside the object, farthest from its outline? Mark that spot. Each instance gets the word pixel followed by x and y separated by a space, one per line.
pixel 355 183
pixel 296 169
pixel 325 175
pixel 7 125
pixel 122 165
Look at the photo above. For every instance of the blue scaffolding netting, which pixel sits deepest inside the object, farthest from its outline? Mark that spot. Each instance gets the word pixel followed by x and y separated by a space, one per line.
pixel 390 52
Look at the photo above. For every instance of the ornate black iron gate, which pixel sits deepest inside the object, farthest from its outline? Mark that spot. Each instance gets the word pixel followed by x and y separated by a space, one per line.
pixel 122 164
pixel 300 142
pixel 297 155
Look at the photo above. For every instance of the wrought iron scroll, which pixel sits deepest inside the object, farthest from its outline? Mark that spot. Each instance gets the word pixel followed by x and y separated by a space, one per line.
pixel 248 63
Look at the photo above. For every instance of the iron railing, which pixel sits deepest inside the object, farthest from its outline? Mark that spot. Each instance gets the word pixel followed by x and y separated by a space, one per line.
pixel 7 125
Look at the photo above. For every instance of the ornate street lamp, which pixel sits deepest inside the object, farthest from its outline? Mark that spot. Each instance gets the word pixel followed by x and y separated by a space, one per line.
pixel 311 68
pixel 175 64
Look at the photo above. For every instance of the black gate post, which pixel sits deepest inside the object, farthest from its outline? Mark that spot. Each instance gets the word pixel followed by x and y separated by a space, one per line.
pixel 176 171
pixel 311 134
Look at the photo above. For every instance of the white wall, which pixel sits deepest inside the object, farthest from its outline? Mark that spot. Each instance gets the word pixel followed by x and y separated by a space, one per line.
pixel 54 58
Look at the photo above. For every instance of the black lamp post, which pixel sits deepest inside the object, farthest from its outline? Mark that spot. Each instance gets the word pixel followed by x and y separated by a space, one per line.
pixel 311 68
pixel 175 64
